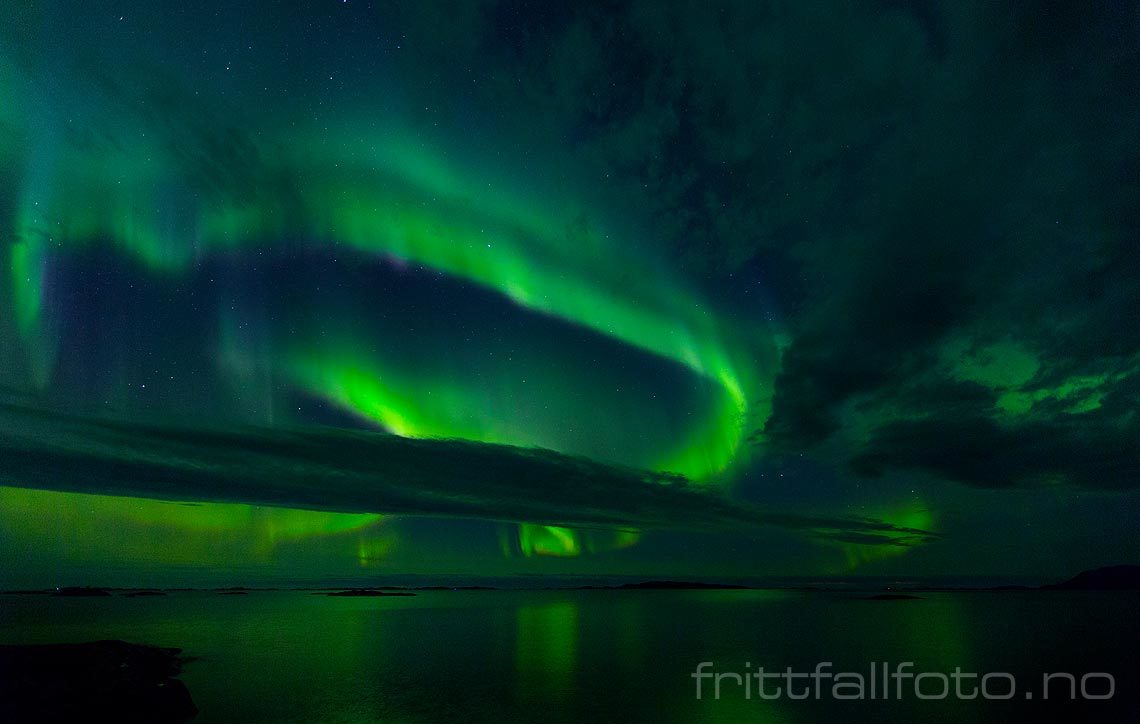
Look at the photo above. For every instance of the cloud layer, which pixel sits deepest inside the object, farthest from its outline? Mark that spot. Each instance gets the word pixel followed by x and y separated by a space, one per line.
pixel 350 471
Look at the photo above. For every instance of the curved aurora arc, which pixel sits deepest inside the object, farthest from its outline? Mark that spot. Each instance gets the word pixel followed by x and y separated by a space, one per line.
pixel 385 195
pixel 407 213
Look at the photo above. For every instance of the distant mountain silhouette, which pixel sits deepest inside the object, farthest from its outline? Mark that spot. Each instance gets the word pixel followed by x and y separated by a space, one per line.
pixel 1112 578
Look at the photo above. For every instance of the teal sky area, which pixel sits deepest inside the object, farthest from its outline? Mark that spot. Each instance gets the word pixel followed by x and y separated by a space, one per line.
pixel 353 289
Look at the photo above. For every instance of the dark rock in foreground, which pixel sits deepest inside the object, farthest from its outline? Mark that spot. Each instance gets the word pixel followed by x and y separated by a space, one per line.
pixel 368 592
pixel 80 591
pixel 1112 578
pixel 105 681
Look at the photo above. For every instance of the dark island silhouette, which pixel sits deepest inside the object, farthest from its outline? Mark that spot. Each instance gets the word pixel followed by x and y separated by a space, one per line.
pixel 368 592
pixel 80 592
pixel 682 586
pixel 668 586
pixel 893 597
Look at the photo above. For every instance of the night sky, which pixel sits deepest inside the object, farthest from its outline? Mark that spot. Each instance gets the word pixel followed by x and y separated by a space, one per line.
pixel 346 288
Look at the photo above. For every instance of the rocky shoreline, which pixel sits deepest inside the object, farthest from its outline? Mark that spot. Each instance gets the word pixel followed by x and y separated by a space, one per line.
pixel 106 681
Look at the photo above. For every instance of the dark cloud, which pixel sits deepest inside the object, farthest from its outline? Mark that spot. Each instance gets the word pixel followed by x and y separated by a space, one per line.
pixel 873 539
pixel 349 471
pixel 1096 449
pixel 903 177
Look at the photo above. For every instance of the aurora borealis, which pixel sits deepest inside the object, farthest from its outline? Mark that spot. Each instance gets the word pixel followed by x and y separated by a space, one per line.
pixel 630 288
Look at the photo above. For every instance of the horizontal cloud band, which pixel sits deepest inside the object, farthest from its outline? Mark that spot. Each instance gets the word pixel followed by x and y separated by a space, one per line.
pixel 352 471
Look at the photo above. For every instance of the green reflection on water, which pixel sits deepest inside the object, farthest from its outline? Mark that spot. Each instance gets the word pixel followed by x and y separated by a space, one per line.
pixel 546 649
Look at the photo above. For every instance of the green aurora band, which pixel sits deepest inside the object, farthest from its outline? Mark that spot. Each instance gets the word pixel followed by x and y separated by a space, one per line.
pixel 388 195
pixel 385 193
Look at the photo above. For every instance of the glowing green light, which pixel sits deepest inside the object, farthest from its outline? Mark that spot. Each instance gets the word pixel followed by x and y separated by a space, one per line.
pixel 550 540
pixel 164 532
pixel 390 194
pixel 915 517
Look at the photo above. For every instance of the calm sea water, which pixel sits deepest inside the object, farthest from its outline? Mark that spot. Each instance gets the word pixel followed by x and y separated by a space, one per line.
pixel 601 656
